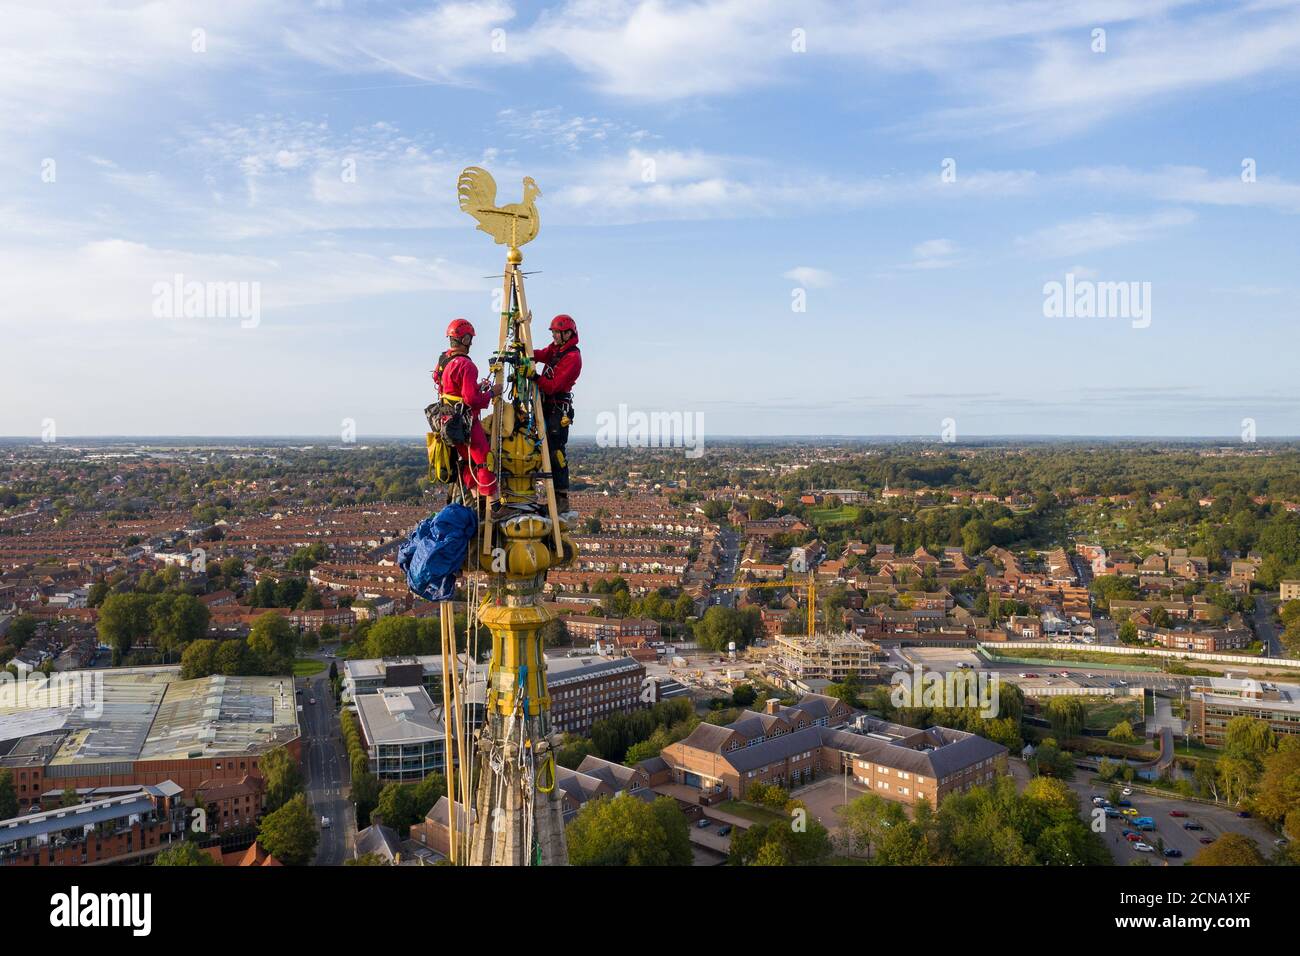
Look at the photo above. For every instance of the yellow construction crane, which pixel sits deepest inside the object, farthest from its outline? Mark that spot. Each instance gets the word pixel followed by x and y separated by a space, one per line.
pixel 810 584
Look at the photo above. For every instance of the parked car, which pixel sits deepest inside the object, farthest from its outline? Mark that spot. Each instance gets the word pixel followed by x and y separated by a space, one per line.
pixel 724 830
pixel 1112 813
pixel 1132 837
pixel 1178 813
pixel 324 823
pixel 1192 825
pixel 702 822
pixel 1144 847
pixel 1126 803
pixel 1173 851
pixel 1207 840
pixel 1127 791
pixel 1243 813
pixel 1129 811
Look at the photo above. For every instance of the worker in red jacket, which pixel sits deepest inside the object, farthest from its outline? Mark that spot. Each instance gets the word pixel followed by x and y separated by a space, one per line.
pixel 457 378
pixel 563 365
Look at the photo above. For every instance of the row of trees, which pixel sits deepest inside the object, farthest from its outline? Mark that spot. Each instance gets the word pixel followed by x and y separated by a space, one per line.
pixel 365 785
pixel 269 649
pixel 169 620
pixel 991 825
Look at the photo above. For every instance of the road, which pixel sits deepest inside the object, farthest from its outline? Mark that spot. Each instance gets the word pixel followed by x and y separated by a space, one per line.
pixel 1264 628
pixel 727 569
pixel 326 772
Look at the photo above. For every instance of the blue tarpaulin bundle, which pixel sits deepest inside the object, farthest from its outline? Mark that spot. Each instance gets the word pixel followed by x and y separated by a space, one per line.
pixel 435 551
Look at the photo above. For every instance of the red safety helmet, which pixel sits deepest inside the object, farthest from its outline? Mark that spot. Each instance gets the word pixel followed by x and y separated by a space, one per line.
pixel 459 328
pixel 563 323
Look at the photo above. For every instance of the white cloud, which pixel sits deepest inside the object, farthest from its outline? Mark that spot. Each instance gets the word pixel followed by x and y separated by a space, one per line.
pixel 933 254
pixel 810 277
pixel 1102 231
pixel 113 280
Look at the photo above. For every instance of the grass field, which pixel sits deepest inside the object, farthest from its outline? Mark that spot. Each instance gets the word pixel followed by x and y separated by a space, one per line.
pixel 1105 712
pixel 306 667
pixel 821 516
pixel 751 811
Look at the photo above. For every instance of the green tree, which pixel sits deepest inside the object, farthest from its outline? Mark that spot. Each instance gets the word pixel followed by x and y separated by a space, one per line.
pixel 1067 715
pixel 231 658
pixel 22 630
pixel 554 633
pixel 184 853
pixel 1231 849
pixel 1123 731
pixel 124 620
pixel 367 859
pixel 393 637
pixel 199 659
pixel 8 795
pixel 177 619
pixel 272 641
pixel 283 777
pixel 1278 793
pixel 289 834
pixel 625 831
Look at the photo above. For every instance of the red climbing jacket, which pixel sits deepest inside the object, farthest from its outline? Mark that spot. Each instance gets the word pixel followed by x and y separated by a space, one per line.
pixel 563 366
pixel 458 378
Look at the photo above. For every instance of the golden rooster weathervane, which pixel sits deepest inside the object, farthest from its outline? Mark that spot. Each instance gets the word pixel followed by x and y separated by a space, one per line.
pixel 509 225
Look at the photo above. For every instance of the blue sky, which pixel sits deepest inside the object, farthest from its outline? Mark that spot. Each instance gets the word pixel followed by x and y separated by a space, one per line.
pixel 220 155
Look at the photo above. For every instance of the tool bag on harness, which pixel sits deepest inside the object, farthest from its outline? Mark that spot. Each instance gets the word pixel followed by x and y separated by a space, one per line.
pixel 449 417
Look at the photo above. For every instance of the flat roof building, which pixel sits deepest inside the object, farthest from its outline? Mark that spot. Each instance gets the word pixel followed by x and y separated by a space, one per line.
pixel 404 733
pixel 1215 701
pixel 122 726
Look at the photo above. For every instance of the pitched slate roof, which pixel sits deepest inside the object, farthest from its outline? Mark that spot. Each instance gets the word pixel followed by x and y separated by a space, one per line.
pixel 709 737
pixel 616 775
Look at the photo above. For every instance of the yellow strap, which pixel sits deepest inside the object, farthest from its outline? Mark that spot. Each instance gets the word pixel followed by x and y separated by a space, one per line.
pixel 547 768
pixel 439 458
